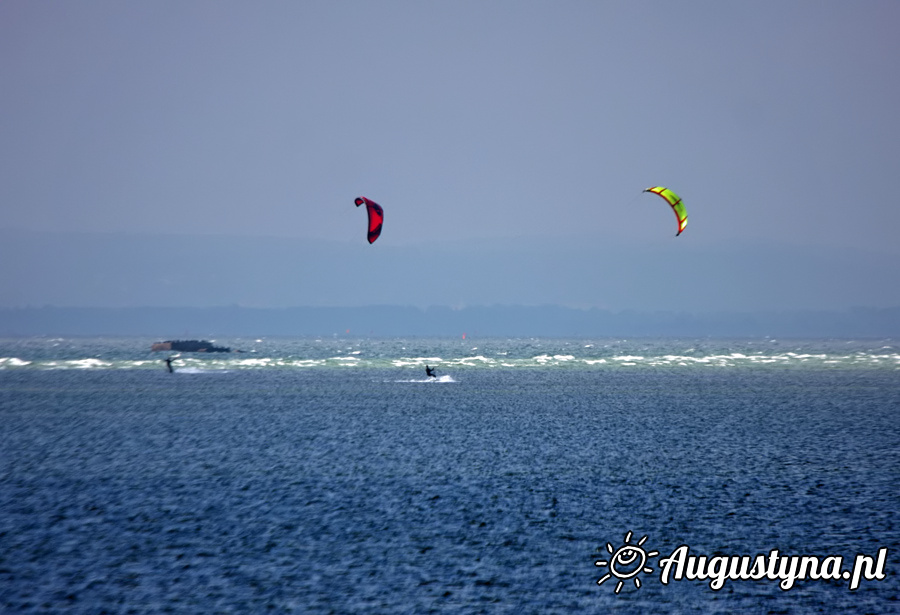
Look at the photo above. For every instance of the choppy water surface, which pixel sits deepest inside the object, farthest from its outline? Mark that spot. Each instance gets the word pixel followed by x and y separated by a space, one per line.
pixel 332 476
pixel 133 353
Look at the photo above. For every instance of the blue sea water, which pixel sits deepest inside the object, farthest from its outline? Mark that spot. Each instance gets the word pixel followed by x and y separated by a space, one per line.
pixel 331 476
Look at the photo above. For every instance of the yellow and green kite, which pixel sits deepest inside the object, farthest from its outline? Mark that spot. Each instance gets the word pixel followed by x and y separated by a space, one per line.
pixel 675 201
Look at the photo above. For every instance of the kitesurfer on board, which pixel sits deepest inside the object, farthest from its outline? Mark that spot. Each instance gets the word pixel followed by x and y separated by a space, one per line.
pixel 169 364
pixel 430 372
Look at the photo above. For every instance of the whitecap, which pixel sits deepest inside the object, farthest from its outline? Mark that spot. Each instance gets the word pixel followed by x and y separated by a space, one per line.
pixel 13 362
pixel 439 380
pixel 199 370
pixel 88 363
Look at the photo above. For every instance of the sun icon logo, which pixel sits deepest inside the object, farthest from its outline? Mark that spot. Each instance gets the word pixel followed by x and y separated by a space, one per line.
pixel 627 562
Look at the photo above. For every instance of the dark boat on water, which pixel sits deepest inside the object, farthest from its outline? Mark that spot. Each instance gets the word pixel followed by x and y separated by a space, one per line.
pixel 189 346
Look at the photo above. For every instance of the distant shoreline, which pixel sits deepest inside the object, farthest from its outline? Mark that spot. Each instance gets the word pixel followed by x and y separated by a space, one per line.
pixel 485 321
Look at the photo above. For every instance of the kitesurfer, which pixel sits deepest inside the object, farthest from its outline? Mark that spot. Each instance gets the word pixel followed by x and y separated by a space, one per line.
pixel 430 372
pixel 169 364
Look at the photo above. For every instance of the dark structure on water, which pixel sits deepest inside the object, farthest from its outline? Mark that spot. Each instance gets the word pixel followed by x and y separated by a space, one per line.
pixel 189 346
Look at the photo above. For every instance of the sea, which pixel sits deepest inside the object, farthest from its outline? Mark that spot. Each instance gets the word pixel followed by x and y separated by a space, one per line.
pixel 531 475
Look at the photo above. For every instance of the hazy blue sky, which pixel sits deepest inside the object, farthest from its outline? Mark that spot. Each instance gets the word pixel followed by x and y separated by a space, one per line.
pixel 778 123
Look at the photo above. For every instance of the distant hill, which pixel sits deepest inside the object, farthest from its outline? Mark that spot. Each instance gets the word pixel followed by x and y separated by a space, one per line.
pixel 518 321
pixel 670 275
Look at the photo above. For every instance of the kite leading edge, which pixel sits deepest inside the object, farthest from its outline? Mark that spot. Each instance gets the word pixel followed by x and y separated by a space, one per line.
pixel 675 201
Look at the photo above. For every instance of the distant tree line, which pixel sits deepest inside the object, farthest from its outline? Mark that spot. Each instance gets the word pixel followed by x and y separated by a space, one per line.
pixel 484 321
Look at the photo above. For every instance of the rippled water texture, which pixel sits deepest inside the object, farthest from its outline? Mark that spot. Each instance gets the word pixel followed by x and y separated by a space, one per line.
pixel 134 353
pixel 331 476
